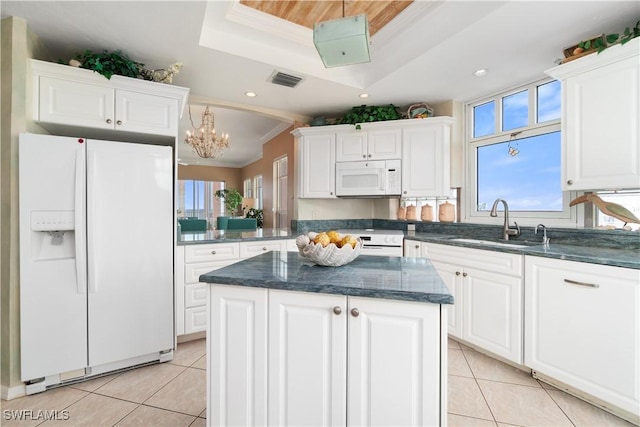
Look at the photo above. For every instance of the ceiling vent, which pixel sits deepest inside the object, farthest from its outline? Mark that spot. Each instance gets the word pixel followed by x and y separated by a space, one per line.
pixel 283 79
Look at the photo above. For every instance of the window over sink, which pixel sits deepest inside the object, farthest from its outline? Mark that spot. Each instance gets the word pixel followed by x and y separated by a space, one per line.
pixel 513 153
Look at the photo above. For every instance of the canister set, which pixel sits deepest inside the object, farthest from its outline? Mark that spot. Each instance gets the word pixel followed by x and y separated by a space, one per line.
pixel 446 213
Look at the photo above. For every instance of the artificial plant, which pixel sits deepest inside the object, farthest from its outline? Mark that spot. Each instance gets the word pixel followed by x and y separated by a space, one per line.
pixel 232 199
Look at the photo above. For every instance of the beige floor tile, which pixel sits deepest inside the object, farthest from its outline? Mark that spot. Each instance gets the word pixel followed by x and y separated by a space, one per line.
pixel 186 393
pixel 199 422
pixel 453 344
pixel 139 384
pixel 147 416
pixel 582 413
pixel 189 352
pixel 203 414
pixel 465 398
pixel 507 425
pixel 522 405
pixel 95 410
pixel 24 411
pixel 200 363
pixel 460 421
pixel 487 368
pixel 457 364
pixel 94 384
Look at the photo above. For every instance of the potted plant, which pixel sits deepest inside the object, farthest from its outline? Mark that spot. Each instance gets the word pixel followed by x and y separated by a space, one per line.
pixel 370 113
pixel 258 214
pixel 232 200
pixel 109 63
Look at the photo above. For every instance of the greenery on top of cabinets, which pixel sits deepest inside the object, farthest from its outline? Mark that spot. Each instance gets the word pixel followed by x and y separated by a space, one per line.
pixel 602 42
pixel 370 113
pixel 232 199
pixel 109 63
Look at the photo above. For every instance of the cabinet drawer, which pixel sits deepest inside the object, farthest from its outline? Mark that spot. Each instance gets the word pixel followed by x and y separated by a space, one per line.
pixel 496 262
pixel 212 252
pixel 195 295
pixel 192 272
pixel 249 249
pixel 195 319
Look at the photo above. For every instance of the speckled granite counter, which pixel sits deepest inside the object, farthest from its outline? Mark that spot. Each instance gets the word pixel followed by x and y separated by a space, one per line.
pixel 219 236
pixel 395 278
pixel 629 258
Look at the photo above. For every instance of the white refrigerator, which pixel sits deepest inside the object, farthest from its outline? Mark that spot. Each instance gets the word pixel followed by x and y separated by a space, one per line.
pixel 96 257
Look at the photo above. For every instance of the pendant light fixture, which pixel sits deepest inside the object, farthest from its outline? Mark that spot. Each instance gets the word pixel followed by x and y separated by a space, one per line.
pixel 204 140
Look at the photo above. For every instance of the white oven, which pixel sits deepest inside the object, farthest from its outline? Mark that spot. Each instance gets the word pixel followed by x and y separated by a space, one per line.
pixel 369 178
pixel 379 242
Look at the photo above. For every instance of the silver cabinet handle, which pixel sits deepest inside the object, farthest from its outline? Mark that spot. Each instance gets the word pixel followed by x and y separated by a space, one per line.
pixel 417 246
pixel 264 248
pixel 573 282
pixel 404 192
pixel 119 122
pixel 337 310
pixel 464 274
pixel 457 273
pixel 355 312
pixel 364 156
pixel 213 252
pixel 109 121
pixel 570 182
pixel 369 155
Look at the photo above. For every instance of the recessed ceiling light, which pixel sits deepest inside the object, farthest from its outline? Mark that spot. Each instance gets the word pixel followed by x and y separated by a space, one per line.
pixel 481 72
pixel 250 94
pixel 364 95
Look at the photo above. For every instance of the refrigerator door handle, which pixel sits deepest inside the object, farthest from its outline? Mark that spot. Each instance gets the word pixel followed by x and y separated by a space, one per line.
pixel 80 237
pixel 92 286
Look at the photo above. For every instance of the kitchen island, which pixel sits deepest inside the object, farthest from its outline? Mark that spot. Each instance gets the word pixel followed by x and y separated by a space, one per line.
pixel 293 343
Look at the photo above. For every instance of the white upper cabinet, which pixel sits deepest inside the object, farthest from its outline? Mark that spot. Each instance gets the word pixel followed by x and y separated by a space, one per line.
pixel 426 157
pixel 74 97
pixel 601 119
pixel 382 144
pixel 316 163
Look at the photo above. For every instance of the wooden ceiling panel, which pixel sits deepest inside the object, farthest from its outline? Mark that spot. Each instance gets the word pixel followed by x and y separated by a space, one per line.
pixel 307 13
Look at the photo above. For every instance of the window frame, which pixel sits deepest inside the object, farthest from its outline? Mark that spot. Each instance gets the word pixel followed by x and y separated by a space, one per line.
pixel 568 216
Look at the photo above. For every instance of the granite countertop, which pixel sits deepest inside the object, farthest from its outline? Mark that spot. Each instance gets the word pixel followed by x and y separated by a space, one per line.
pixel 408 279
pixel 220 236
pixel 629 258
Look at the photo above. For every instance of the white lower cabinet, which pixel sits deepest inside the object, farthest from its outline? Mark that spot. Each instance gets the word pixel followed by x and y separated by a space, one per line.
pixel 582 328
pixel 196 260
pixel 332 360
pixel 237 356
pixel 487 287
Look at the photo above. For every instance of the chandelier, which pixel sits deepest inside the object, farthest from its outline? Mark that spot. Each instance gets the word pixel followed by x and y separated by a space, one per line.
pixel 204 140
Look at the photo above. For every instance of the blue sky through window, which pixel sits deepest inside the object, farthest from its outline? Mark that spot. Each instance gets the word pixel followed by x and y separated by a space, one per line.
pixel 523 171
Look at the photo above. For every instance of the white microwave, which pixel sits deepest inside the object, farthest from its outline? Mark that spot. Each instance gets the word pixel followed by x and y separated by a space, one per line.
pixel 368 178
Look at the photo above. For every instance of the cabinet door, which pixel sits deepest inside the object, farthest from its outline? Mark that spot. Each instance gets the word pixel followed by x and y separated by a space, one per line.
pixel 351 146
pixel 249 249
pixel 582 327
pixel 385 144
pixel 601 127
pixel 179 290
pixel 425 161
pixel 492 312
pixel 412 248
pixel 451 275
pixel 318 166
pixel 307 359
pixel 394 363
pixel 145 113
pixel 237 356
pixel 72 103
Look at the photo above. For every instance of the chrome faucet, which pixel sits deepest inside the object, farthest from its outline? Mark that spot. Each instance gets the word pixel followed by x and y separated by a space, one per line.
pixel 545 239
pixel 506 231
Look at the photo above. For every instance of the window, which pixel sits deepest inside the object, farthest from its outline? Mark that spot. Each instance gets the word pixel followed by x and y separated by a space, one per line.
pixel 196 199
pixel 248 189
pixel 257 188
pixel 280 197
pixel 513 153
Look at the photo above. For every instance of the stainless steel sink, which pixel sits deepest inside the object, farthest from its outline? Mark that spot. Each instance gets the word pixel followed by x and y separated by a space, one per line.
pixel 505 244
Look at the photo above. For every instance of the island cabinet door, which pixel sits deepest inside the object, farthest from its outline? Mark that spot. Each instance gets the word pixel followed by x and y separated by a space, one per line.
pixel 394 363
pixel 237 356
pixel 307 359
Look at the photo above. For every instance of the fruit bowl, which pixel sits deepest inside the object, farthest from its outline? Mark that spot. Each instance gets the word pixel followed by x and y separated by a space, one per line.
pixel 330 255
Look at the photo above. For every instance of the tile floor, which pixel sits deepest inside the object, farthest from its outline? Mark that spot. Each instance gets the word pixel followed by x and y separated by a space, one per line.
pixel 482 392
